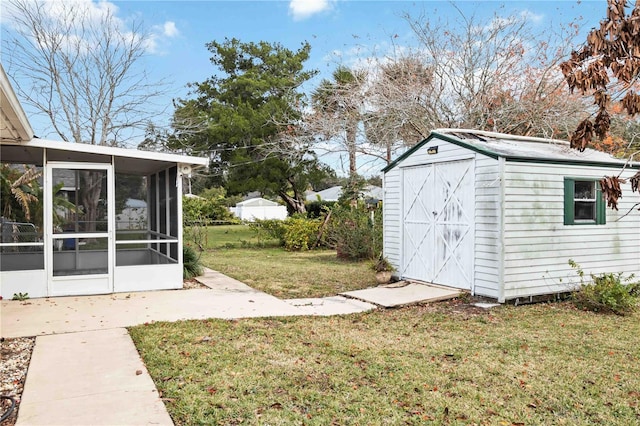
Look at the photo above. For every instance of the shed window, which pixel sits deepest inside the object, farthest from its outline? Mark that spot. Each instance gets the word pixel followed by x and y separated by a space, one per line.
pixel 583 202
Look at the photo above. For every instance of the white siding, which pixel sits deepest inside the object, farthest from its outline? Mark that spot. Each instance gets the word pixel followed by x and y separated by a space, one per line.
pixel 538 245
pixel 391 217
pixel 446 152
pixel 487 247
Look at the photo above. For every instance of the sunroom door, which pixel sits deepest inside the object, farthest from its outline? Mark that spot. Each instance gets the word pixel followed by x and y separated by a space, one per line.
pixel 80 216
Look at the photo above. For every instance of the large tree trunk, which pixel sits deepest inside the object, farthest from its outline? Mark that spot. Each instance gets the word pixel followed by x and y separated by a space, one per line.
pixel 351 148
pixel 91 191
pixel 294 204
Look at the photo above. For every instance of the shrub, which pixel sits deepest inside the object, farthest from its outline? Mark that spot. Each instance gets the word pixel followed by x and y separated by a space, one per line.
pixel 20 296
pixel 607 293
pixel 205 210
pixel 273 228
pixel 193 209
pixel 382 264
pixel 300 233
pixel 355 232
pixel 317 209
pixel 191 263
pixel 293 233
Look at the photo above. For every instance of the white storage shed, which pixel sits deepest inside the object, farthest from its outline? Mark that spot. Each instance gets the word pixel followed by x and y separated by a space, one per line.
pixel 502 215
pixel 259 208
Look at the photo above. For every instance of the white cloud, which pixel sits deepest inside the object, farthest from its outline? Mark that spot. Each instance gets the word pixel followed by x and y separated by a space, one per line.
pixel 159 37
pixel 95 12
pixel 170 29
pixel 532 17
pixel 302 9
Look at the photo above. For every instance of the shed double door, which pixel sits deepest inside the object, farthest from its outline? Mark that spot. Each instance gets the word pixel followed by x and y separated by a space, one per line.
pixel 438 223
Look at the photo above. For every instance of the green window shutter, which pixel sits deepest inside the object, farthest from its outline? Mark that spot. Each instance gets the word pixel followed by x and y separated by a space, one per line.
pixel 569 213
pixel 601 206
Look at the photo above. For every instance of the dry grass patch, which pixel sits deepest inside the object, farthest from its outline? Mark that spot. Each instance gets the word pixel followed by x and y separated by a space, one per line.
pixel 291 275
pixel 438 364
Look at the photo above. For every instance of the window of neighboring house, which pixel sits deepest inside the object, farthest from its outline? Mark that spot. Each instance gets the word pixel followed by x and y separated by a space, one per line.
pixel 583 202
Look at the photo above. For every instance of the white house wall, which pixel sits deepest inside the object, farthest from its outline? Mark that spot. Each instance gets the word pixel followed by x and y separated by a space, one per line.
pixel 32 283
pixel 251 213
pixel 537 244
pixel 487 211
pixel 147 277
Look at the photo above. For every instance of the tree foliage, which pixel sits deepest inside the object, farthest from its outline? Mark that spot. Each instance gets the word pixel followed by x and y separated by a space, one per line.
pixel 18 192
pixel 249 113
pixel 496 74
pixel 606 68
pixel 493 74
pixel 338 107
pixel 401 110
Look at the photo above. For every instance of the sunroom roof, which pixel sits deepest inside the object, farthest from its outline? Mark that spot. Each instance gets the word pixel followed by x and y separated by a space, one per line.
pixel 14 124
pixel 130 161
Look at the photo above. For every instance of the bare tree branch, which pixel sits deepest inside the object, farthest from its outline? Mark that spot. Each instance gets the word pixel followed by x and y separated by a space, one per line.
pixel 82 69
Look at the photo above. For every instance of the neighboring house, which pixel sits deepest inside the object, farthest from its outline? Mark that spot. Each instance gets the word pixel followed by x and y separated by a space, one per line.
pixel 197 197
pixel 369 192
pixel 133 215
pixel 259 208
pixel 79 247
pixel 502 215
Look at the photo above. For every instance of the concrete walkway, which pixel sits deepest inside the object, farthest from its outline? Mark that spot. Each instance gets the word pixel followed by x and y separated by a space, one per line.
pixel 89 378
pixel 334 305
pixel 226 298
pixel 85 368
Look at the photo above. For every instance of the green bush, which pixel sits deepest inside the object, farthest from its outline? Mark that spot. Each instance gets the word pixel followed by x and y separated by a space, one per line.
pixel 205 210
pixel 273 228
pixel 607 293
pixel 317 209
pixel 294 233
pixel 355 232
pixel 191 263
pixel 300 233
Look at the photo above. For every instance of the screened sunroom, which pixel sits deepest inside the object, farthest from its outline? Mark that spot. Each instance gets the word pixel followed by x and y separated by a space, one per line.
pixel 81 219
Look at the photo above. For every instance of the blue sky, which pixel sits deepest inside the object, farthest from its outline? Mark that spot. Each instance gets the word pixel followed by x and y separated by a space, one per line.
pixel 339 31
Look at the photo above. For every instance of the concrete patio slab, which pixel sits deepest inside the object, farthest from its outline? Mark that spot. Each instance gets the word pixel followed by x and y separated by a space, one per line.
pixel 56 315
pixel 394 295
pixel 326 306
pixel 89 378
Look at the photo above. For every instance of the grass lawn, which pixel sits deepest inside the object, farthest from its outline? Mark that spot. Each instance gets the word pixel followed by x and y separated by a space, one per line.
pixel 231 236
pixel 436 364
pixel 283 274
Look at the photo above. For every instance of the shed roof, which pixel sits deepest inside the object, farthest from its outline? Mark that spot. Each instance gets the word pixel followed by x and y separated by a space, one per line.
pixel 257 202
pixel 133 203
pixel 517 148
pixel 334 193
pixel 328 194
pixel 18 144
